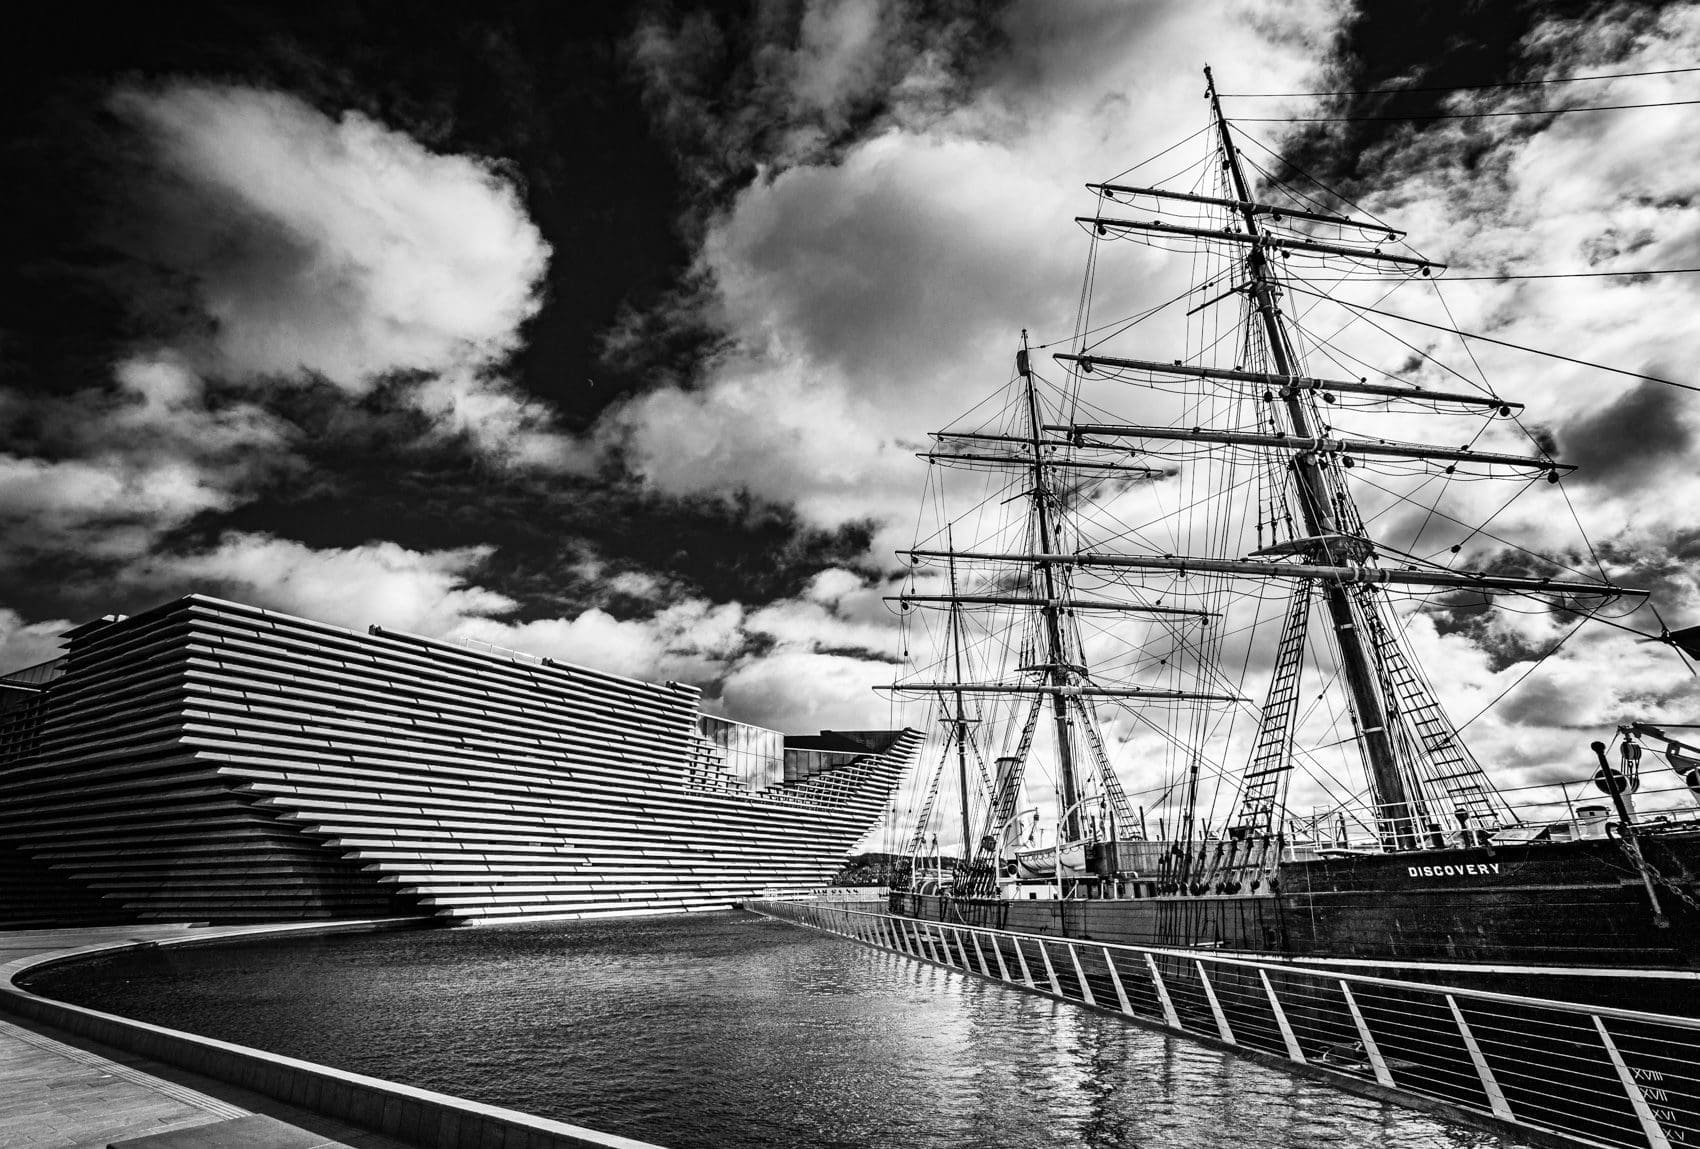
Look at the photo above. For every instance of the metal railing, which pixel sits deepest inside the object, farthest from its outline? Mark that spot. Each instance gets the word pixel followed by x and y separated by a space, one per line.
pixel 1592 1074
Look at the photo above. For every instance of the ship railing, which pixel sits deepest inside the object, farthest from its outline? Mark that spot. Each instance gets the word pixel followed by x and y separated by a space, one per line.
pixel 482 646
pixel 1587 1074
pixel 1551 811
pixel 1660 797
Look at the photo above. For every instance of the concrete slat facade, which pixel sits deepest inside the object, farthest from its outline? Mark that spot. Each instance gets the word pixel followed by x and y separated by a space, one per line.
pixel 213 761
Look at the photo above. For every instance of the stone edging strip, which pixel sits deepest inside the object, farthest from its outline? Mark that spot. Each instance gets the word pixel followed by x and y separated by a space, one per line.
pixel 420 1116
pixel 213 1105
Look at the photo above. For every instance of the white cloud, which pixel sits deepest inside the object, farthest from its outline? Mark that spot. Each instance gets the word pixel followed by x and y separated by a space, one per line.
pixel 337 246
pixel 842 43
pixel 136 462
pixel 28 643
pixel 66 498
pixel 346 250
pixel 874 295
pixel 426 592
pixel 800 691
pixel 837 611
pixel 500 422
pixel 689 641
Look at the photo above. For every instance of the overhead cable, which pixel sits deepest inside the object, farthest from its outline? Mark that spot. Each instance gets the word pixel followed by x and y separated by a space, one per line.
pixel 1450 278
pixel 1453 115
pixel 1455 87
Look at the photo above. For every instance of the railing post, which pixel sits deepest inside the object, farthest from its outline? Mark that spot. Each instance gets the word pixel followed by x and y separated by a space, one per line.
pixel 1660 1127
pixel 1086 993
pixel 1223 1029
pixel 1050 971
pixel 1116 980
pixel 1021 960
pixel 1169 1015
pixel 1294 1051
pixel 1371 1049
pixel 911 938
pixel 1496 1098
pixel 1650 1126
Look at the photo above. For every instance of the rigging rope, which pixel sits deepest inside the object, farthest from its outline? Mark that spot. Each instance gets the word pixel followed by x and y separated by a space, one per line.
pixel 1506 343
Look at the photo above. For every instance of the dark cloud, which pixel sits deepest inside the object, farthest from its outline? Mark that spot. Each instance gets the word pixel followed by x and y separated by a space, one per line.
pixel 1439 44
pixel 738 90
pixel 1482 617
pixel 561 542
pixel 1542 704
pixel 1625 444
pixel 1667 566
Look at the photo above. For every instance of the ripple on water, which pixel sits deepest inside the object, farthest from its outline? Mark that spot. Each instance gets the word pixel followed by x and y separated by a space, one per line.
pixel 731 1030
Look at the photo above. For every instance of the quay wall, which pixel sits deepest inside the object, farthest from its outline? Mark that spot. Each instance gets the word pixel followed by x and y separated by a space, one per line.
pixel 211 761
pixel 419 1117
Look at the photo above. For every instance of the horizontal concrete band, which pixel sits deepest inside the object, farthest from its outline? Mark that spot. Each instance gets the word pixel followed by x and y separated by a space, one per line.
pixel 420 1116
pixel 212 761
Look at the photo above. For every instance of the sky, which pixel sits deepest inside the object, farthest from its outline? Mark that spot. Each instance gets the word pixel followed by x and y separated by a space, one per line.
pixel 610 332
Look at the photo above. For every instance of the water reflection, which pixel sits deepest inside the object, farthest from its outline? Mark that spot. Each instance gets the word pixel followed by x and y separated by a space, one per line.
pixel 726 1029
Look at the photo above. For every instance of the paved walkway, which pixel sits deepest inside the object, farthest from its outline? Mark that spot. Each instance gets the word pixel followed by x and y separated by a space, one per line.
pixel 63 1092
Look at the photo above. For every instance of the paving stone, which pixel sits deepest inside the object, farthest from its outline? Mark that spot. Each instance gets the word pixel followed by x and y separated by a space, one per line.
pixel 255 1131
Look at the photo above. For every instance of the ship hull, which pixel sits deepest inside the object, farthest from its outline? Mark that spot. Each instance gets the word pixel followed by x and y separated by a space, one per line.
pixel 1568 920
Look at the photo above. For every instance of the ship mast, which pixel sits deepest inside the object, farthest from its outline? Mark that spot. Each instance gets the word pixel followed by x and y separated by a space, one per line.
pixel 1411 752
pixel 960 724
pixel 1393 806
pixel 1055 665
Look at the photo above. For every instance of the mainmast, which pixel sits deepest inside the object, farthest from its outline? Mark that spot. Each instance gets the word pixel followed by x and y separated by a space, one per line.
pixel 1394 810
pixel 1056 665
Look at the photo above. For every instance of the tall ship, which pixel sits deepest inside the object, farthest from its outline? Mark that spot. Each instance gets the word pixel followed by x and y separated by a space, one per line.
pixel 213 761
pixel 1195 575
